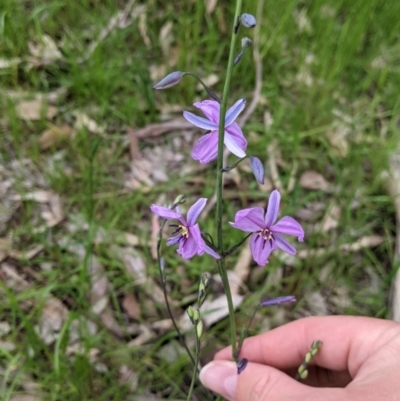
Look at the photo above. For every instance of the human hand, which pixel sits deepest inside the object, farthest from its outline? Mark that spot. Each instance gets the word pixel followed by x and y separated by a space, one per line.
pixel 359 360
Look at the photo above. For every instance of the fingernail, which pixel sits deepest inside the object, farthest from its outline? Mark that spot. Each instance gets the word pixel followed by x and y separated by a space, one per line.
pixel 221 377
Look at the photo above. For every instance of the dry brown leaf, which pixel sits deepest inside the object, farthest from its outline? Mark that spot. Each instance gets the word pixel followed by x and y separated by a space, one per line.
pixel 54 136
pixel 155 130
pixel 26 254
pixel 331 219
pixel 53 316
pixel 369 241
pixel 35 110
pixel 135 266
pixel 26 397
pixel 131 306
pixel 210 5
pixel 314 180
pixel 316 303
pixel 83 121
pixel 212 311
pixel 5 248
pixel 45 51
pixel 210 81
pixel 5 328
pixel 9 62
pixel 338 140
pixel 165 38
pixel 392 179
pixel 128 377
pixel 52 211
pixel 272 150
pixel 143 29
pixel 242 266
pixel 145 335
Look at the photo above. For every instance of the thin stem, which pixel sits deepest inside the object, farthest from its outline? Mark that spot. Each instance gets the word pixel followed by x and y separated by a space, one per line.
pixel 221 132
pixel 164 287
pixel 189 396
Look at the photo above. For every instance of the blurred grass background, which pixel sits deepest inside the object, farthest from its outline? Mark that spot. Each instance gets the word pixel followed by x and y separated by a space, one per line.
pixel 330 89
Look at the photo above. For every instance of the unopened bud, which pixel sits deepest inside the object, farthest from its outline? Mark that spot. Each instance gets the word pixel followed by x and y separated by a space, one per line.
pixel 190 313
pixel 204 283
pixel 194 314
pixel 170 80
pixel 179 200
pixel 246 42
pixel 241 365
pixel 199 329
pixel 287 299
pixel 248 20
pixel 258 169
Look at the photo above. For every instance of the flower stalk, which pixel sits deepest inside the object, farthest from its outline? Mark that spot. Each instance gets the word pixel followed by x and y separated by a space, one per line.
pixel 221 262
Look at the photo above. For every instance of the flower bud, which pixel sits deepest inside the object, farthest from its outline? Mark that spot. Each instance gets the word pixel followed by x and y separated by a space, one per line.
pixel 279 300
pixel 179 200
pixel 170 80
pixel 246 42
pixel 257 168
pixel 241 365
pixel 199 329
pixel 204 283
pixel 248 20
pixel 194 314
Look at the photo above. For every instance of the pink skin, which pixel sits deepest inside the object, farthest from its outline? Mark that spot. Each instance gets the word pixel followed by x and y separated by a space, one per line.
pixel 359 360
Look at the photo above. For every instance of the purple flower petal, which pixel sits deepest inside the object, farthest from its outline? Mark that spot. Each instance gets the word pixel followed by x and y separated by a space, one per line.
pixel 164 212
pixel 234 111
pixel 260 249
pixel 289 226
pixel 174 240
pixel 273 208
pixel 210 108
pixel 195 211
pixel 250 220
pixel 200 121
pixel 283 244
pixel 206 148
pixel 188 248
pixel 194 233
pixel 211 252
pixel 233 146
pixel 257 168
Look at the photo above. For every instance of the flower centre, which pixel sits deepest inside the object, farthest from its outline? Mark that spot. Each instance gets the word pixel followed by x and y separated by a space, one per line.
pixel 266 234
pixel 184 231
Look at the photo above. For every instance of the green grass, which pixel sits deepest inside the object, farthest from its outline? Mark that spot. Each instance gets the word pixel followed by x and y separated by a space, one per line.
pixel 337 67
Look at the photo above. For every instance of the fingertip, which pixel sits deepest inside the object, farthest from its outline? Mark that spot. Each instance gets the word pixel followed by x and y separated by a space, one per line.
pixel 256 382
pixel 220 377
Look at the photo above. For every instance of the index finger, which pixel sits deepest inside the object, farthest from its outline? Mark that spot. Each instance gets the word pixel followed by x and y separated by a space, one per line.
pixel 347 341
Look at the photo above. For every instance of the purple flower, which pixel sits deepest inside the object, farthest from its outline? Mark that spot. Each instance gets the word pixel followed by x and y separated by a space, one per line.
pixel 267 235
pixel 187 234
pixel 206 148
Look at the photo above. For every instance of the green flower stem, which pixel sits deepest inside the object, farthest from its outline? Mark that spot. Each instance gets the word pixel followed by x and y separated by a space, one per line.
pixel 189 396
pixel 221 265
pixel 164 287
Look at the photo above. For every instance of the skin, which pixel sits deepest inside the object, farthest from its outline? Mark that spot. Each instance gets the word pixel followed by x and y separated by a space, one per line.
pixel 359 361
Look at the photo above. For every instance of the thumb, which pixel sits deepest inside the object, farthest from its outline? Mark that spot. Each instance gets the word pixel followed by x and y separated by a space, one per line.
pixel 256 383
